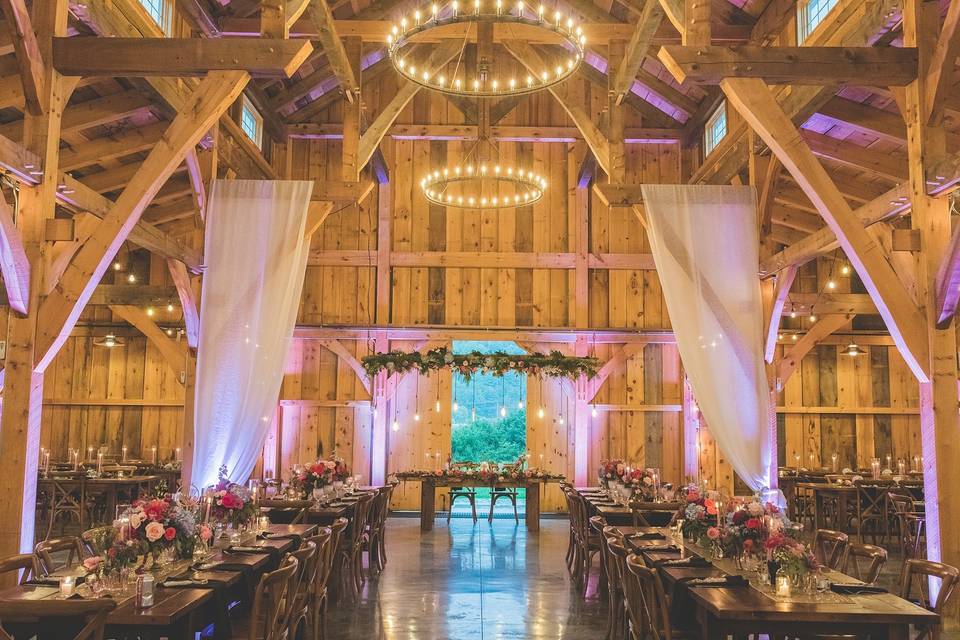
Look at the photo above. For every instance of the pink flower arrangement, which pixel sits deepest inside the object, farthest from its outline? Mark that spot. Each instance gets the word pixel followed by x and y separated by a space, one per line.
pixel 319 474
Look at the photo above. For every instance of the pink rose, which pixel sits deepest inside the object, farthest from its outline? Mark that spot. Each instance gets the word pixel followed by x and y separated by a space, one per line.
pixel 713 533
pixel 205 533
pixel 331 464
pixel 154 531
pixel 92 564
pixel 169 533
pixel 230 501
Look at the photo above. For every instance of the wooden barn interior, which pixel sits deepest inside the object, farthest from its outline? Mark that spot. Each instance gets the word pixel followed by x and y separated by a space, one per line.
pixel 118 116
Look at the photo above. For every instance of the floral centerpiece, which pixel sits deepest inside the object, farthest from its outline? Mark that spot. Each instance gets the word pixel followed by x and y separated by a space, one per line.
pixel 230 503
pixel 611 471
pixel 643 482
pixel 699 515
pixel 747 526
pixel 318 475
pixel 788 555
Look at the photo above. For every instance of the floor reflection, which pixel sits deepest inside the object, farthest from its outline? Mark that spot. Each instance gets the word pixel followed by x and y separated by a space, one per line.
pixel 471 581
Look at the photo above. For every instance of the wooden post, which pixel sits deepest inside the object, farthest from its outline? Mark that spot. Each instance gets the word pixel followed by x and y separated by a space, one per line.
pixel 20 417
pixel 381 421
pixel 939 398
pixel 384 223
pixel 581 421
pixel 353 46
pixel 189 406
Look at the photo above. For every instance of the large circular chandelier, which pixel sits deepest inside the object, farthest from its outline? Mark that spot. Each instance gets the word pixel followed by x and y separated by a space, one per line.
pixel 482 186
pixel 476 82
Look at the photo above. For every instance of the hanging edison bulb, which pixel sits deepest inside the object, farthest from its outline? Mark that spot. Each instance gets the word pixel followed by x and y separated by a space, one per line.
pixel 396 426
pixel 593 411
pixel 540 412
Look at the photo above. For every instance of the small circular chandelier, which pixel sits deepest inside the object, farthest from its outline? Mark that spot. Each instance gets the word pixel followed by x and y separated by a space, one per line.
pixel 483 186
pixel 476 82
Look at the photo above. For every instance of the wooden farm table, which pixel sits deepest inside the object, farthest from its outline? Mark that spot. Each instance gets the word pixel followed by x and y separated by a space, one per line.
pixel 656 513
pixel 428 496
pixel 843 495
pixel 742 611
pixel 76 489
pixel 179 612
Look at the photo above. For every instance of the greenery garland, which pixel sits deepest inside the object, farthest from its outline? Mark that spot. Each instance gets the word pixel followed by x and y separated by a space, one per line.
pixel 555 365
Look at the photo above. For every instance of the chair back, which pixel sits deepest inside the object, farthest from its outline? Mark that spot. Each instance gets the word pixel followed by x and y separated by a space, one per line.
pixel 97 539
pixel 360 516
pixel 271 604
pixel 828 547
pixel 646 600
pixel 90 616
pixel 45 549
pixel 300 585
pixel 287 511
pixel 864 561
pixel 322 559
pixel 336 538
pixel 24 563
pixel 917 571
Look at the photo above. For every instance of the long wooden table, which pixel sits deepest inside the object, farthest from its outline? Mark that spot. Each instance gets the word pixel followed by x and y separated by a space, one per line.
pixel 741 611
pixel 178 612
pixel 428 496
pixel 656 513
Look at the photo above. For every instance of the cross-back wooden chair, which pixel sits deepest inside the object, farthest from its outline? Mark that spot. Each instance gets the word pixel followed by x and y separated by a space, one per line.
pixel 828 547
pixel 45 549
pixel 376 528
pixel 323 541
pixel 350 549
pixel 271 605
pixel 287 511
pixel 916 572
pixel 871 509
pixel 299 595
pixel 648 603
pixel 908 522
pixel 24 563
pixel 864 561
pixel 327 569
pixel 617 614
pixel 59 615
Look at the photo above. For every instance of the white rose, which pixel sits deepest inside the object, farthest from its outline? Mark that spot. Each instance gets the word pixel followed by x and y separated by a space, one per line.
pixel 136 519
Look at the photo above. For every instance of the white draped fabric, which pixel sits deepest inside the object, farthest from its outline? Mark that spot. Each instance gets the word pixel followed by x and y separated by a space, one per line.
pixel 706 247
pixel 256 256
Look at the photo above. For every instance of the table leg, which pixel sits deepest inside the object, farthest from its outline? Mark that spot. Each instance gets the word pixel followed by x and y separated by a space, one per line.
pixel 898 632
pixel 842 511
pixel 532 511
pixel 816 510
pixel 428 505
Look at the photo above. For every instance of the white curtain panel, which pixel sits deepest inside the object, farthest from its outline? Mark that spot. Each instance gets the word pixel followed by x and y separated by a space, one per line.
pixel 706 247
pixel 256 256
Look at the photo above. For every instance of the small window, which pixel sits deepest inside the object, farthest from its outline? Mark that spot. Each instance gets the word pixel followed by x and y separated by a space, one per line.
pixel 160 12
pixel 251 122
pixel 715 130
pixel 811 13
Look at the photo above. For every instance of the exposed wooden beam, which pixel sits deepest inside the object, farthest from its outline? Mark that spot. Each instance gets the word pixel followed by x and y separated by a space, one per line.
pixel 780 292
pixel 886 66
pixel 192 161
pixel 887 165
pixel 350 360
pixel 636 51
pixel 805 304
pixel 503 133
pixel 943 63
pixel 171 352
pixel 820 329
pixel 111 147
pixel 697 28
pixel 753 99
pixel 17 19
pixel 332 43
pixel 91 113
pixel 14 264
pixel 63 306
pixel 97 56
pixel 188 301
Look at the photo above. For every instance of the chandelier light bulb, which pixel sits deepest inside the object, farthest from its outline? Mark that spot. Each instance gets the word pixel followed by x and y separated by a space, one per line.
pixel 150 311
pixel 794 337
pixel 519 404
pixel 813 318
pixel 117 266
pixel 396 426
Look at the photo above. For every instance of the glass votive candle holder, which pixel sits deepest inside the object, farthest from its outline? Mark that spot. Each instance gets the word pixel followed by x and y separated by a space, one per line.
pixel 67 585
pixel 263 523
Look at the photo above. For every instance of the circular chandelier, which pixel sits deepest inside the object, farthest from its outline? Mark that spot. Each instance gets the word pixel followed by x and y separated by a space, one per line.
pixel 475 82
pixel 483 187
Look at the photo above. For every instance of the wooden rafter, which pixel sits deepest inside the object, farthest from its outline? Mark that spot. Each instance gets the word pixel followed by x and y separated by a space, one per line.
pixel 14 264
pixel 17 18
pixel 636 51
pixel 939 80
pixel 753 99
pixel 330 40
pixel 350 360
pixel 820 330
pixel 887 66
pixel 192 161
pixel 96 56
pixel 175 356
pixel 61 309
pixel 188 301
pixel 772 321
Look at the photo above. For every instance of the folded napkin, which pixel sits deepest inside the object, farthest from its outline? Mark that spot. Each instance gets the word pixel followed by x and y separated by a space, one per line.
pixel 658 547
pixel 170 582
pixel 43 582
pixel 651 535
pixel 693 561
pixel 720 581
pixel 242 549
pixel 856 589
pixel 282 536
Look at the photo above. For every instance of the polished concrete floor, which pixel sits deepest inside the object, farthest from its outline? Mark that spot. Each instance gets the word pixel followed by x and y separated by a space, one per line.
pixel 471 581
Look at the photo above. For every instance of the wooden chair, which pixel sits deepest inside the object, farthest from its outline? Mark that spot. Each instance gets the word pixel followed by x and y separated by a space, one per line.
pixel 598 524
pixel 376 528
pixel 829 546
pixel 24 563
pixel 587 545
pixel 44 553
pixel 317 582
pixel 568 492
pixel 92 539
pixel 871 509
pixel 510 493
pixel 908 522
pixel 36 616
pixel 327 570
pixel 470 493
pixel 647 603
pixel 287 511
pixel 917 571
pixel 864 561
pixel 271 606
pixel 350 549
pixel 299 595
pixel 618 622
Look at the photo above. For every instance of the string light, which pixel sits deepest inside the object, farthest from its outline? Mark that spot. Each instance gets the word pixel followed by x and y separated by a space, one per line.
pixel 474 81
pixel 831 284
pixel 131 278
pixel 813 318
pixel 540 412
pixel 845 269
pixel 117 266
pixel 150 311
pixel 170 308
pixel 593 412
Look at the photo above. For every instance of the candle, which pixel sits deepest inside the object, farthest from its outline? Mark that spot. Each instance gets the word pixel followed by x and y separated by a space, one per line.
pixel 125 527
pixel 76 459
pixel 834 457
pixel 123 451
pixel 66 586
pixel 153 454
pixel 901 467
pixel 178 454
pixel 89 454
pixel 719 511
pixel 875 468
pixel 811 460
pixel 889 458
pixel 796 460
pixel 916 463
pixel 100 463
pixel 209 502
pixel 263 522
pixel 783 585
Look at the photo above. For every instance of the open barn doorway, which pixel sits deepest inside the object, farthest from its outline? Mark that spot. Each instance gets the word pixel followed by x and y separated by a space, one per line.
pixel 488 422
